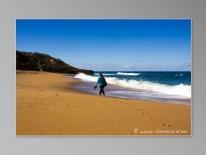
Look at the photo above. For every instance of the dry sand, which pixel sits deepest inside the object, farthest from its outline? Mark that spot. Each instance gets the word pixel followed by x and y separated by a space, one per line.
pixel 46 105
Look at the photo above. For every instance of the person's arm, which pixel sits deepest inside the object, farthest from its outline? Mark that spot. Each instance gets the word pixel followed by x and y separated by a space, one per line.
pixel 95 87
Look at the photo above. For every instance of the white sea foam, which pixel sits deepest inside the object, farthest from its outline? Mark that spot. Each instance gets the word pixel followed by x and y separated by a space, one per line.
pixel 120 73
pixel 106 73
pixel 128 74
pixel 181 90
pixel 86 77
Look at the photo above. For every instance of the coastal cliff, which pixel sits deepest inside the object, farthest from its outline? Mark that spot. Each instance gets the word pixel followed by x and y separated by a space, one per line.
pixel 34 61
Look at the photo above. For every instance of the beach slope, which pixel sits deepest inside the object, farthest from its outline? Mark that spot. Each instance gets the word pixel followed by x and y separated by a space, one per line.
pixel 46 104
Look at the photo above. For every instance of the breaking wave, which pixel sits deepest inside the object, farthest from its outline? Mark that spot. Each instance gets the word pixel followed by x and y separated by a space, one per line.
pixel 120 73
pixel 128 74
pixel 181 90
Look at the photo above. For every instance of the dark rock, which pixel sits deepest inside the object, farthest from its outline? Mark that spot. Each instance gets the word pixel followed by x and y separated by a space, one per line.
pixel 43 62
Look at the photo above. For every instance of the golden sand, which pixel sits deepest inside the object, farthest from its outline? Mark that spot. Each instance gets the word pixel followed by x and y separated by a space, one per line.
pixel 46 105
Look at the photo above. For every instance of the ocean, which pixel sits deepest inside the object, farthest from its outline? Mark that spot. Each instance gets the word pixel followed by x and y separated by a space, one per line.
pixel 167 86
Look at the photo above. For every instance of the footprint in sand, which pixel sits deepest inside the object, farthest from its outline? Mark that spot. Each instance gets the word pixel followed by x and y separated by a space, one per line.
pixel 29 106
pixel 168 125
pixel 137 109
pixel 144 114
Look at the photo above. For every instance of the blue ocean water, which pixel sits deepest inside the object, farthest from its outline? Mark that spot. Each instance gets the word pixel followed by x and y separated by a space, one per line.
pixel 142 85
pixel 168 78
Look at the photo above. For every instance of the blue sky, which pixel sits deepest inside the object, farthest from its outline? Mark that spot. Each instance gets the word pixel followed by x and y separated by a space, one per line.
pixel 127 45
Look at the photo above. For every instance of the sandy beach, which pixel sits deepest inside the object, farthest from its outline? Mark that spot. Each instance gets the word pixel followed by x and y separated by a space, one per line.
pixel 46 104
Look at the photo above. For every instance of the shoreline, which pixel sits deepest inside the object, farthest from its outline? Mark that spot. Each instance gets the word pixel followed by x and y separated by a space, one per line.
pixel 47 104
pixel 87 88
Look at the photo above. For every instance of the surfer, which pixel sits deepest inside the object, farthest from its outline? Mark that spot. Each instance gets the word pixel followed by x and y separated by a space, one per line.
pixel 101 82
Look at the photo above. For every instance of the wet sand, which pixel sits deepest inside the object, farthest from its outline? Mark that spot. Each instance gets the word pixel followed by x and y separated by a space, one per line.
pixel 46 104
pixel 127 93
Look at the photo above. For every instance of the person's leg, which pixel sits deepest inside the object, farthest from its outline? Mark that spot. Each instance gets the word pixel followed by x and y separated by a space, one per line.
pixel 103 91
pixel 100 90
